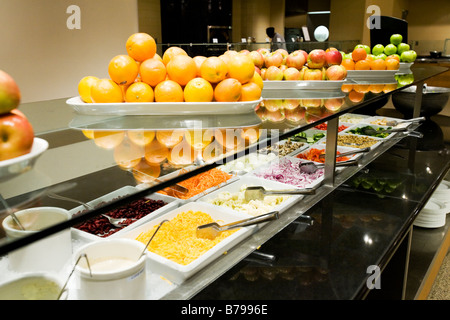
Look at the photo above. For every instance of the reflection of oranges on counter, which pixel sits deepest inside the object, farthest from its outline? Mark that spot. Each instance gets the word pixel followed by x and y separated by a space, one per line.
pixel 155 152
pixel 213 152
pixel 181 154
pixel 230 139
pixel 141 137
pixel 146 173
pixel 347 87
pixel 169 138
pixel 128 154
pixel 108 139
pixel 376 88
pixel 389 87
pixel 88 133
pixel 251 135
pixel 355 96
pixel 199 139
pixel 363 88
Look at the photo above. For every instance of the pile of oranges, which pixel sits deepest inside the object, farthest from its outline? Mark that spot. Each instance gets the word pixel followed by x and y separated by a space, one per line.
pixel 142 75
pixel 360 60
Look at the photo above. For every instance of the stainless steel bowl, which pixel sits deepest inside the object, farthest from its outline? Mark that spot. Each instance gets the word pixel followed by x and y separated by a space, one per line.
pixel 434 100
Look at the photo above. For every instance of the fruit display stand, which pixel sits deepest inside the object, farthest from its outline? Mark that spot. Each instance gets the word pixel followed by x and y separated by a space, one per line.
pixel 318 248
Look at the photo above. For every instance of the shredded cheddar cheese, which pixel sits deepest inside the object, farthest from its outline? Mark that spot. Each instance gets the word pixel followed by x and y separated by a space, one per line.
pixel 176 240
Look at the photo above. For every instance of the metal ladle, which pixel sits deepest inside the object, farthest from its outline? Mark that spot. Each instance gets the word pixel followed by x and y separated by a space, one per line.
pixel 11 213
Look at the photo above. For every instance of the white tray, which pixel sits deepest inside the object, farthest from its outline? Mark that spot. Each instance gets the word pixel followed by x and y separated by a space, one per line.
pixel 78 234
pixel 373 76
pixel 247 180
pixel 364 124
pixel 178 273
pixel 162 108
pixel 303 84
pixel 12 167
pixel 382 121
pixel 341 149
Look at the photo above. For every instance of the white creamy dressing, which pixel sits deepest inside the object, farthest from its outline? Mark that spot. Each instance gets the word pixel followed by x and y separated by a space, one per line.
pixel 111 264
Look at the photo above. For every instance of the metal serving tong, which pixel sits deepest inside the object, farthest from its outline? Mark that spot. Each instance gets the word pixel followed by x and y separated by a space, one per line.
pixel 370 131
pixel 393 123
pixel 348 153
pixel 311 167
pixel 258 192
pixel 212 230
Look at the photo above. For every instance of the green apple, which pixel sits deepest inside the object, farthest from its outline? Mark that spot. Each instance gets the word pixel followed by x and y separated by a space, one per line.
pixel 365 47
pixel 381 56
pixel 396 39
pixel 377 49
pixel 404 80
pixel 408 56
pixel 390 49
pixel 402 47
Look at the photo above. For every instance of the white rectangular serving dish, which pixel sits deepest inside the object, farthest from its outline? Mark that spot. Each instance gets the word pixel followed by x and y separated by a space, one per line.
pixel 285 162
pixel 381 121
pixel 161 108
pixel 341 149
pixel 353 118
pixel 248 163
pixel 77 234
pixel 178 273
pixel 235 188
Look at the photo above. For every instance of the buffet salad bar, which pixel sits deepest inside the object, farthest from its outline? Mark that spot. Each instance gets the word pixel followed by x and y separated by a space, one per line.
pixel 210 187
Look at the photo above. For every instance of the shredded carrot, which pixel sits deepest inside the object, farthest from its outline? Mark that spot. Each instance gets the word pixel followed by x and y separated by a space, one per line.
pixel 199 183
pixel 313 154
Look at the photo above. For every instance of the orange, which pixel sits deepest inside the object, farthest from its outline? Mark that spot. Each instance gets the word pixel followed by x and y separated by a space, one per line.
pixel 127 154
pixel 258 80
pixel 123 69
pixel 181 154
pixel 376 88
pixel 181 69
pixel 198 90
pixel 152 71
pixel 393 56
pixel 141 46
pixel 155 152
pixel 169 138
pixel 377 64
pixel 146 173
pixel 141 137
pixel 139 92
pixel 213 69
pixel 171 52
pixel 369 57
pixel 228 90
pixel 169 91
pixel 362 65
pixel 355 96
pixel 198 62
pixel 88 133
pixel 84 88
pixel 108 139
pixel 106 91
pixel 392 64
pixel 347 87
pixel 348 64
pixel 250 91
pixel 359 54
pixel 241 67
pixel 363 88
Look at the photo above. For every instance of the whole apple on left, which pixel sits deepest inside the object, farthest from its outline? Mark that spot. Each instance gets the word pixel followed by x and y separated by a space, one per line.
pixel 16 135
pixel 295 59
pixel 9 93
pixel 336 72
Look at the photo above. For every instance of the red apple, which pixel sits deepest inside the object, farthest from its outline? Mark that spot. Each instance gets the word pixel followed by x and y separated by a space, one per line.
pixel 313 74
pixel 302 72
pixel 263 51
pixel 9 93
pixel 291 73
pixel 316 59
pixel 291 103
pixel 258 70
pixel 295 59
pixel 263 73
pixel 331 49
pixel 305 54
pixel 336 72
pixel 244 51
pixel 273 104
pixel 257 58
pixel 283 67
pixel 333 57
pixel 273 59
pixel 273 73
pixel 17 135
pixel 284 53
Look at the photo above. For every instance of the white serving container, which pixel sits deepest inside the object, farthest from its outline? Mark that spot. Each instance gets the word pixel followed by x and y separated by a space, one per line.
pixel 235 188
pixel 85 236
pixel 178 273
pixel 374 126
pixel 111 282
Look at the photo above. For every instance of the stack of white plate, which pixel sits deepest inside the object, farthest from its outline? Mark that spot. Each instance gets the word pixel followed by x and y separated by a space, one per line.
pixel 433 215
